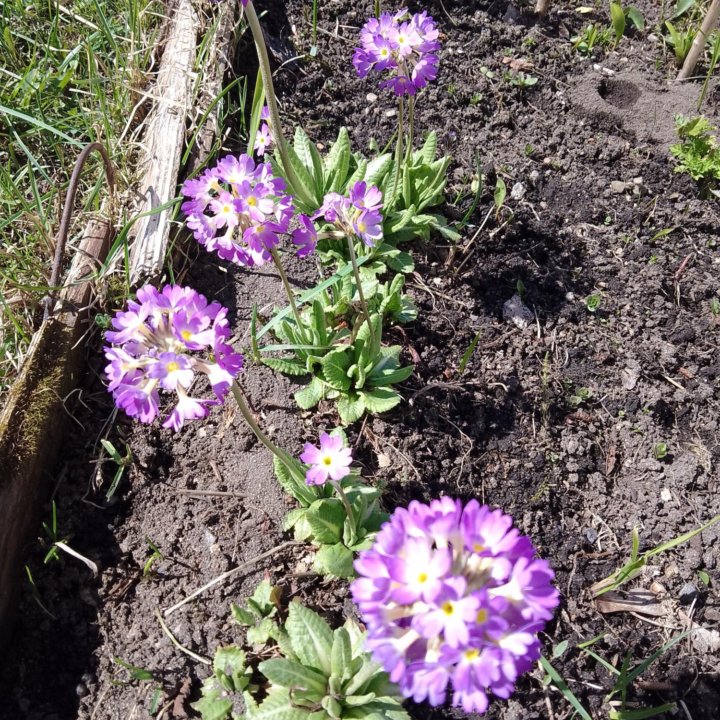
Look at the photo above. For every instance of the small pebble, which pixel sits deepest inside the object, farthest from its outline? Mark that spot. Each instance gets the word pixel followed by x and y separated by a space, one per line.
pixel 81 690
pixel 371 97
pixel 617 187
pixel 591 534
pixel 688 593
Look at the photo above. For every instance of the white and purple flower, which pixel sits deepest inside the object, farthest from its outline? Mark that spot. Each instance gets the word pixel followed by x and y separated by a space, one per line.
pixel 164 341
pixel 357 215
pixel 406 47
pixel 330 461
pixel 238 209
pixel 453 595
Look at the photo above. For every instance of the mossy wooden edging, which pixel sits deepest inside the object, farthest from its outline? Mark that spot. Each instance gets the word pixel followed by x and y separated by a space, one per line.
pixel 34 417
pixel 32 422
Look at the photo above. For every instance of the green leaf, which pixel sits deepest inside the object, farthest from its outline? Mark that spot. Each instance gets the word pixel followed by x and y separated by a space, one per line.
pixel 242 616
pixel 260 634
pixel 682 7
pixel 565 691
pixel 635 17
pixel 276 706
pixel 500 192
pixel 335 366
pixel 213 705
pixel 377 169
pixel 335 561
pixel 303 176
pixel 337 162
pixel 389 376
pixel 229 666
pixel 287 367
pixel 257 106
pixel 326 518
pixel 379 400
pixel 617 18
pixel 350 407
pixel 294 486
pixel 400 262
pixel 310 157
pixel 293 675
pixel 359 173
pixel 429 148
pixel 341 654
pixel 311 394
pixel 311 637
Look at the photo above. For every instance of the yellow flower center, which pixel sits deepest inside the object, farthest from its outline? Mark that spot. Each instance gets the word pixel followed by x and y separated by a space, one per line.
pixel 226 209
pixel 185 334
pixel 422 577
pixel 482 616
pixel 252 201
pixel 327 460
pixel 478 548
pixel 172 366
pixel 472 654
pixel 448 608
pixel 362 226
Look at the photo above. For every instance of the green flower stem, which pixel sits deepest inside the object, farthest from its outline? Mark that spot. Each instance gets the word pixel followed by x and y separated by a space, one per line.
pixel 288 292
pixel 358 282
pixel 241 401
pixel 398 149
pixel 411 130
pixel 377 8
pixel 297 187
pixel 348 511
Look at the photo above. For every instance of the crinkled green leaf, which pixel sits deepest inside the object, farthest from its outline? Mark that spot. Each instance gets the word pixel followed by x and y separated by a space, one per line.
pixel 287 367
pixel 311 637
pixel 379 400
pixel 335 561
pixel 293 675
pixel 350 407
pixel 326 518
pixel 276 706
pixel 335 366
pixel 341 654
pixel 310 395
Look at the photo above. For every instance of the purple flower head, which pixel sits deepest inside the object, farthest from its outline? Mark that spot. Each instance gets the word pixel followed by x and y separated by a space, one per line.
pixel 405 45
pixel 305 237
pixel 238 209
pixel 163 341
pixel 329 461
pixel 453 596
pixel 358 215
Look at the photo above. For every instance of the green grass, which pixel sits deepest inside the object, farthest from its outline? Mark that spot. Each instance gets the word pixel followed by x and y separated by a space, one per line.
pixel 71 73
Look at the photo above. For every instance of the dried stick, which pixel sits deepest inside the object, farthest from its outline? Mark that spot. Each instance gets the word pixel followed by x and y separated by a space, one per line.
pixel 696 48
pixel 541 7
pixel 230 573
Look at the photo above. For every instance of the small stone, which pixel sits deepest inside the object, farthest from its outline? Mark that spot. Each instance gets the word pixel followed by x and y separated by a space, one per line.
pixel 630 375
pixel 517 312
pixel 383 460
pixel 81 690
pixel 518 191
pixel 390 113
pixel 534 177
pixel 591 534
pixel 688 593
pixel 371 97
pixel 617 187
pixel 665 495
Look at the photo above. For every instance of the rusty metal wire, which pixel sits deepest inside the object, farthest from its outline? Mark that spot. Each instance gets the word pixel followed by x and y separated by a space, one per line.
pixel 61 237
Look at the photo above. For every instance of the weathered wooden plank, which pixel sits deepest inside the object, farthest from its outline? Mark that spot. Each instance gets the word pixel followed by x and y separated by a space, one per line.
pixel 163 143
pixel 33 419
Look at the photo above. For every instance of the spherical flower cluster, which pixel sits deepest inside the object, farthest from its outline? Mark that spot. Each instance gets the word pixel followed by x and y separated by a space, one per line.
pixel 357 215
pixel 329 461
pixel 238 209
pixel 453 595
pixel 407 48
pixel 163 341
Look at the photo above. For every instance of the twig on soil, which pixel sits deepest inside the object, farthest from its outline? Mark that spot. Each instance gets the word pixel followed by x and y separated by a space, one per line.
pixel 672 382
pixel 711 18
pixel 230 573
pixel 210 493
pixel 176 642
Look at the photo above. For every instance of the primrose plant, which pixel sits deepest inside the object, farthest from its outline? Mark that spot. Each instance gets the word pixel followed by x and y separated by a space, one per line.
pixel 338 512
pixel 315 672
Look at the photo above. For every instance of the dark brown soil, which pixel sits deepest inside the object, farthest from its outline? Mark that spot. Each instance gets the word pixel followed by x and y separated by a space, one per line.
pixel 556 423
